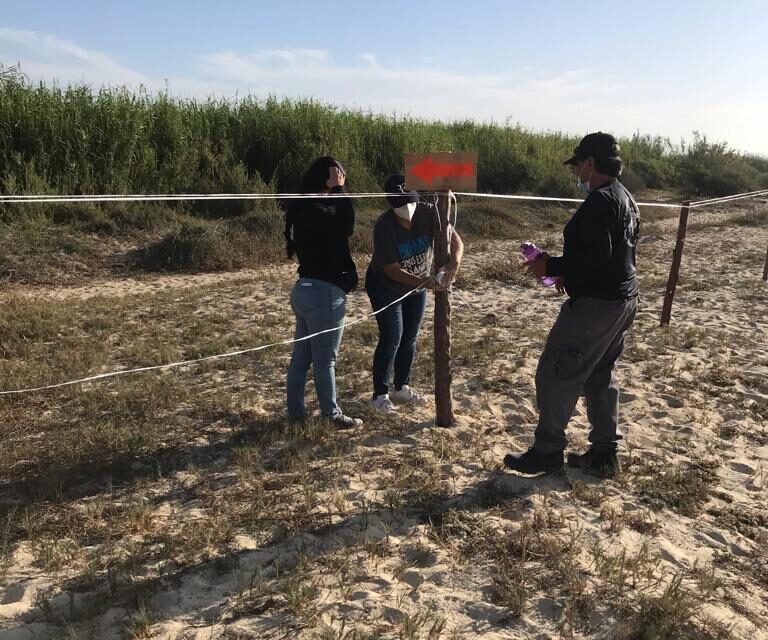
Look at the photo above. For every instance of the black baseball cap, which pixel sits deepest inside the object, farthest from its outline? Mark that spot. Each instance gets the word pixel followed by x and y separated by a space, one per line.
pixel 601 146
pixel 396 184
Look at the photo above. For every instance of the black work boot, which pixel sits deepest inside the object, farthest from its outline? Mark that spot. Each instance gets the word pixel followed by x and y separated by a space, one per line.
pixel 533 461
pixel 600 462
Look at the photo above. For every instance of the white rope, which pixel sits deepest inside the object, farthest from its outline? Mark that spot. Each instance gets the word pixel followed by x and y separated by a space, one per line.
pixel 727 199
pixel 746 194
pixel 48 199
pixel 550 199
pixel 59 199
pixel 219 356
pixel 455 202
pixel 51 199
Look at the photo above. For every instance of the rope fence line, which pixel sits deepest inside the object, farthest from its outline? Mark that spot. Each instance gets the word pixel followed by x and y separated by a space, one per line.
pixel 170 197
pixel 160 197
pixel 53 199
pixel 182 363
pixel 665 205
pixel 218 356
pixel 727 199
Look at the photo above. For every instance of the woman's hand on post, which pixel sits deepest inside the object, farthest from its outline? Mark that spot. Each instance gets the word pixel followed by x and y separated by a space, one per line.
pixel 439 281
pixel 336 178
pixel 450 271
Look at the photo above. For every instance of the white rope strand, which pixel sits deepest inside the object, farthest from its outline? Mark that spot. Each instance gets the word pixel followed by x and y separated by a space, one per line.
pixel 49 199
pixel 727 199
pixel 57 199
pixel 551 199
pixel 219 356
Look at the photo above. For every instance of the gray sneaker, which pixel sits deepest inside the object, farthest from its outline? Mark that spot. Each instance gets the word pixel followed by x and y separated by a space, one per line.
pixel 345 422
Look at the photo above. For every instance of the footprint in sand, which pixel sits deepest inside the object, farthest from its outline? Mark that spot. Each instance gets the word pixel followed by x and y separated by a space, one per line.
pixel 672 401
pixel 740 467
pixel 673 554
pixel 687 430
pixel 420 556
pixel 14 593
pixel 713 535
pixel 483 612
pixel 441 578
pixel 412 578
pixel 378 441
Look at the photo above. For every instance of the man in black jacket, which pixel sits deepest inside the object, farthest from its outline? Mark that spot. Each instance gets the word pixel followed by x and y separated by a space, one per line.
pixel 597 270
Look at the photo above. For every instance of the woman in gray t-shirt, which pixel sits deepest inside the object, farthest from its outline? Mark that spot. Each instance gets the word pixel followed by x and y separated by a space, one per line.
pixel 403 241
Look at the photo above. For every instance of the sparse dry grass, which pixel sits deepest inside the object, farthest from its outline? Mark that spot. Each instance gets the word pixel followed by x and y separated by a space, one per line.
pixel 684 487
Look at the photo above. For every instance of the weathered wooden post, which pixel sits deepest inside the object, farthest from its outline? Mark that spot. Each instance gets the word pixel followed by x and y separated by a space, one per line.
pixel 443 376
pixel 442 172
pixel 765 268
pixel 674 272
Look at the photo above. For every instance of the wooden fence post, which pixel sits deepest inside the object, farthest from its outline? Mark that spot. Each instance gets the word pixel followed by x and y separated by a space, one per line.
pixel 674 272
pixel 765 268
pixel 443 377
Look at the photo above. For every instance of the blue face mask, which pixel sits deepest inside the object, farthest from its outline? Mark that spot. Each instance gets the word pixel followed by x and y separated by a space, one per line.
pixel 583 186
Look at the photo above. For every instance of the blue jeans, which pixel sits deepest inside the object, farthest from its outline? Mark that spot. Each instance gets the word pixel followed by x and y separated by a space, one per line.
pixel 318 305
pixel 398 328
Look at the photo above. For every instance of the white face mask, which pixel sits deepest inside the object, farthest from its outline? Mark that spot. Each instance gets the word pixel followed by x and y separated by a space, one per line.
pixel 406 211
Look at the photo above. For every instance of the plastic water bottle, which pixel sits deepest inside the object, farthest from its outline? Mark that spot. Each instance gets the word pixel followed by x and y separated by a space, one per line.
pixel 530 252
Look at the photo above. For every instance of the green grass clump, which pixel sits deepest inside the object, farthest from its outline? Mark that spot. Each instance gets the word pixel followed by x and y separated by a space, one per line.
pixel 199 246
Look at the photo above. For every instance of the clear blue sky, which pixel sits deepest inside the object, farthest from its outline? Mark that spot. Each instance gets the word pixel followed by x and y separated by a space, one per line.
pixel 659 67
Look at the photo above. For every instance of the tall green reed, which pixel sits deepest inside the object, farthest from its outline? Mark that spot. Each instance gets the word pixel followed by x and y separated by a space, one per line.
pixel 76 139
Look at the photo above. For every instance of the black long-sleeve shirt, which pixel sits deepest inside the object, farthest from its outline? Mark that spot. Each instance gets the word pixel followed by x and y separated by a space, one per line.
pixel 599 244
pixel 321 230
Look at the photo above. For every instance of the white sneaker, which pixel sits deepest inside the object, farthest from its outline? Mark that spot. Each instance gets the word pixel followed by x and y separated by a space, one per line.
pixel 406 394
pixel 383 404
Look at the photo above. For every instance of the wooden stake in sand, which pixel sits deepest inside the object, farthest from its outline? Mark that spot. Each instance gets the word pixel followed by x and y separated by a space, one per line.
pixel 674 272
pixel 442 172
pixel 443 376
pixel 765 268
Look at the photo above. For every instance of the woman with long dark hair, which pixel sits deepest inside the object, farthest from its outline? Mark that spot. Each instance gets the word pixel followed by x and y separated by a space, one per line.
pixel 317 231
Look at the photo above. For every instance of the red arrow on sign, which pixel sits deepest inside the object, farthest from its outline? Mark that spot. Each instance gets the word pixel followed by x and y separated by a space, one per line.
pixel 427 170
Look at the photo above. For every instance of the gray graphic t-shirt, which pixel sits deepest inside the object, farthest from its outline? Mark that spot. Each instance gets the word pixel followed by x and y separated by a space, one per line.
pixel 412 248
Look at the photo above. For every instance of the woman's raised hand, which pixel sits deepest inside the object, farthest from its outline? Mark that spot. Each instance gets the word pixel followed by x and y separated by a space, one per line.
pixel 336 178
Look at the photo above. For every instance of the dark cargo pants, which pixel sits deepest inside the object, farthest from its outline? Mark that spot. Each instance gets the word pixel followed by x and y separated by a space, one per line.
pixel 579 358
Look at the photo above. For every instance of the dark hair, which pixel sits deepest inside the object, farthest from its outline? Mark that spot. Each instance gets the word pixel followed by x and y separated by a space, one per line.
pixel 609 166
pixel 315 180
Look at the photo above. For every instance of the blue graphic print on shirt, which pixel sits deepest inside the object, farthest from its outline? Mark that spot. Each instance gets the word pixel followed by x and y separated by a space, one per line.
pixel 413 247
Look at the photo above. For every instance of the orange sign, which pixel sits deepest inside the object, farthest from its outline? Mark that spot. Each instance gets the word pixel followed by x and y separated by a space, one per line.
pixel 441 171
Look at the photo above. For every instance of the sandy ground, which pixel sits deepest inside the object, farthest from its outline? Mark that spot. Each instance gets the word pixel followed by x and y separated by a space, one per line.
pixel 671 412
